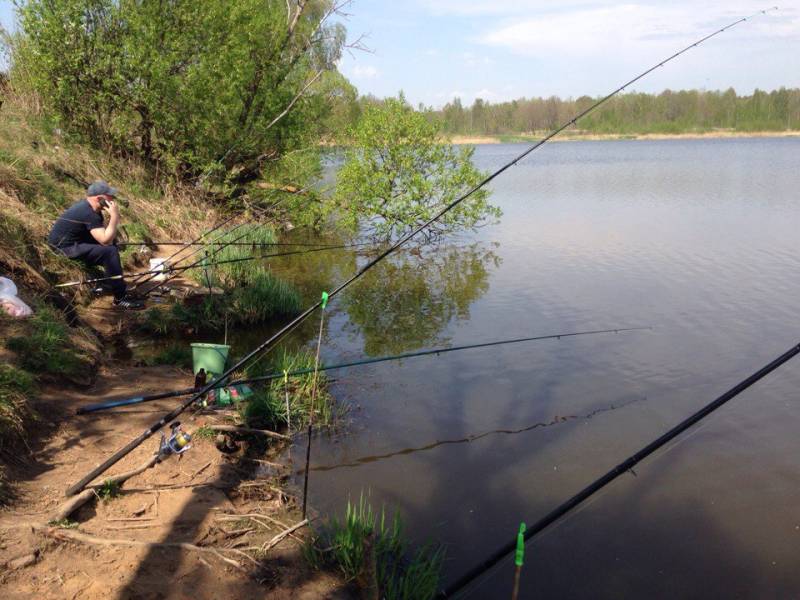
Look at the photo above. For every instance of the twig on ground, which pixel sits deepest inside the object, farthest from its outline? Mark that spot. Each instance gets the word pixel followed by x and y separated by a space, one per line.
pixel 279 538
pixel 76 536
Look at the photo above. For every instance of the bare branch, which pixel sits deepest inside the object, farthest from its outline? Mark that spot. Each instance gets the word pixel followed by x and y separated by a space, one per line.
pixel 294 100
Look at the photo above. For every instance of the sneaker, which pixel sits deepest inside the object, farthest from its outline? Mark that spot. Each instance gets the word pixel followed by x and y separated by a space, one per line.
pixel 128 303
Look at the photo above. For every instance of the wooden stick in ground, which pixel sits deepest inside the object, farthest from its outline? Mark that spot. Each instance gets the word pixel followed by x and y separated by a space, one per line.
pixel 234 429
pixel 76 536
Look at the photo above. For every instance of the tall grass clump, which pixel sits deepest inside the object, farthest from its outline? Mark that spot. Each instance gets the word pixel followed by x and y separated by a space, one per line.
pixel 44 346
pixel 260 297
pixel 269 404
pixel 370 551
pixel 179 355
pixel 230 275
pixel 16 389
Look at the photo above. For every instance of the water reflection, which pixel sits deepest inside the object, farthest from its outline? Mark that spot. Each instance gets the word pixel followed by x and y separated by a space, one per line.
pixel 408 300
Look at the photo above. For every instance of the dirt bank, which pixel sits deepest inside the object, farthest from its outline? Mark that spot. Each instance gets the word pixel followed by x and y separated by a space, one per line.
pixel 179 528
pixel 195 499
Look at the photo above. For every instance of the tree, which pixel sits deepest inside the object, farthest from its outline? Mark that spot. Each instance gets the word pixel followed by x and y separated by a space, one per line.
pixel 218 89
pixel 398 173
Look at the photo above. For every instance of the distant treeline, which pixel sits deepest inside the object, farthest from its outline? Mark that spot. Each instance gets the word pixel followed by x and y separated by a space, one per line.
pixel 633 113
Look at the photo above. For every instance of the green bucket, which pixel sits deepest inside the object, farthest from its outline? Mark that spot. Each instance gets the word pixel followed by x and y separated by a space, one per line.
pixel 211 357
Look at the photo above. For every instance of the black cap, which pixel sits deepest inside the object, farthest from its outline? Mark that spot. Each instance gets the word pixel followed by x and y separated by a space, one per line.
pixel 101 188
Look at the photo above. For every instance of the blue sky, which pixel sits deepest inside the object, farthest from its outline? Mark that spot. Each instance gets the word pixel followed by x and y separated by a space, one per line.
pixel 434 50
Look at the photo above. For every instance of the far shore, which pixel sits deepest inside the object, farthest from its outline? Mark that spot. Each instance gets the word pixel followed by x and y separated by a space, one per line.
pixel 573 137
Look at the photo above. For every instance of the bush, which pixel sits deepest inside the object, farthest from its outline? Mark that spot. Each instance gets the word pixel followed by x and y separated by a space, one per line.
pixel 136 77
pixel 398 174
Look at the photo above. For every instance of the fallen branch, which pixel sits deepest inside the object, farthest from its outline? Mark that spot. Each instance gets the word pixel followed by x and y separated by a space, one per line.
pixel 71 505
pixel 74 503
pixel 122 477
pixel 234 429
pixel 280 537
pixel 257 518
pixel 66 535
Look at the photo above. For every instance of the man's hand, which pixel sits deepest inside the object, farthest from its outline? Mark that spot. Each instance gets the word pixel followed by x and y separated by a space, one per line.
pixel 113 208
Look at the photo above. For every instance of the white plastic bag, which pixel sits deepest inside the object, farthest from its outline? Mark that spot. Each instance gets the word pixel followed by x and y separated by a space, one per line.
pixel 9 302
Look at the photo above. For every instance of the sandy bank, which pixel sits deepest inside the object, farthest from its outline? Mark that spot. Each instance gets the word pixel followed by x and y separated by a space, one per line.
pixel 572 137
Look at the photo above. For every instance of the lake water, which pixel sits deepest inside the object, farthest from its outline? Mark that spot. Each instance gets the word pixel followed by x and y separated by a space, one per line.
pixel 697 239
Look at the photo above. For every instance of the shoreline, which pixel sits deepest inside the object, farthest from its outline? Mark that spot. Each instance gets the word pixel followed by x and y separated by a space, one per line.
pixel 459 140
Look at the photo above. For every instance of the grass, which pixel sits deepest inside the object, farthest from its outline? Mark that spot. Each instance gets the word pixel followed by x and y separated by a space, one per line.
pixel 261 298
pixel 234 274
pixel 108 491
pixel 400 575
pixel 204 433
pixel 267 407
pixel 16 389
pixel 255 301
pixel 45 347
pixel 179 355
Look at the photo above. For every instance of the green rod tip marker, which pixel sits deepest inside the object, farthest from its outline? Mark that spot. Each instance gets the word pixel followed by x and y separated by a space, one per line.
pixel 520 553
pixel 324 300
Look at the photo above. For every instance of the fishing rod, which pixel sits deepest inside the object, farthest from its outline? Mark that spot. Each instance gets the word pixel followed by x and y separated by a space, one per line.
pixel 196 240
pixel 200 261
pixel 172 269
pixel 270 342
pixel 223 245
pixel 356 363
pixel 623 467
pixel 300 244
pixel 197 251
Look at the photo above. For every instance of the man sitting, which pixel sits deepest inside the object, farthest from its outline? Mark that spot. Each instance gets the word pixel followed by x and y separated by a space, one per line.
pixel 80 234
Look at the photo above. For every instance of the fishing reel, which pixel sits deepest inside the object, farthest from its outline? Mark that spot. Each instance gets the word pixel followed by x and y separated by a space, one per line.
pixel 178 442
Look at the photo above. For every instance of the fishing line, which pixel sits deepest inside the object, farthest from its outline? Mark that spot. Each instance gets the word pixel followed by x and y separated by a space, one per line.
pixel 624 467
pixel 196 240
pixel 194 253
pixel 356 363
pixel 270 342
pixel 168 270
pixel 194 264
pixel 557 420
pixel 313 402
pixel 299 244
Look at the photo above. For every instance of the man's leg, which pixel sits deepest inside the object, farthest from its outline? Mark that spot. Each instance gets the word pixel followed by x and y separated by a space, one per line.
pixel 107 256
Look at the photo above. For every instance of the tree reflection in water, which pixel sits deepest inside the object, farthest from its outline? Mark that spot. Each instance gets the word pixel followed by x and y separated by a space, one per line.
pixel 408 300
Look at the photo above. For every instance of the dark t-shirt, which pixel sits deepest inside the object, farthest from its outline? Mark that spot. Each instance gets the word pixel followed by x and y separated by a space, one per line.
pixel 74 225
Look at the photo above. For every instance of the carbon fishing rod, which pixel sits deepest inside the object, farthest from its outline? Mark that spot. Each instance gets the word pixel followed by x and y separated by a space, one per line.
pixel 200 261
pixel 356 363
pixel 168 270
pixel 197 251
pixel 270 342
pixel 623 467
pixel 298 244
pixel 223 245
pixel 197 239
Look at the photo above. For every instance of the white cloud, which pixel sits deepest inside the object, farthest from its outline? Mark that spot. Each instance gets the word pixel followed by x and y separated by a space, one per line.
pixel 473 60
pixel 625 27
pixel 364 72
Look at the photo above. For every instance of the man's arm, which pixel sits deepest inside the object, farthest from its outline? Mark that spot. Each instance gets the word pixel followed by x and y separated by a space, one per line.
pixel 105 235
